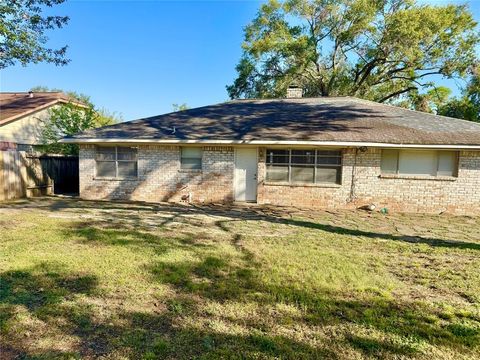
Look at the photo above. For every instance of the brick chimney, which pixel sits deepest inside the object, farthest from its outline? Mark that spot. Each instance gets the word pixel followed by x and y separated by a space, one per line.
pixel 294 92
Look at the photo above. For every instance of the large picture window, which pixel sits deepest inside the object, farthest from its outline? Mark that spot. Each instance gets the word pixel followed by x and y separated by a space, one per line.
pixel 116 162
pixel 304 166
pixel 419 162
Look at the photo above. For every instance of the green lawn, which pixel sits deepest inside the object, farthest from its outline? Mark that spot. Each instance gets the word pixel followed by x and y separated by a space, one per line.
pixel 88 280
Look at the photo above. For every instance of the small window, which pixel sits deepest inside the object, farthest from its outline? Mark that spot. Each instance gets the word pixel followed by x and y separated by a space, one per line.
pixel 303 166
pixel 447 163
pixel 116 162
pixel 419 162
pixel 191 158
pixel 389 163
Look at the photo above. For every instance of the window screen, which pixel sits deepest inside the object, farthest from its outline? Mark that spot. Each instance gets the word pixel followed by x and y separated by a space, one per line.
pixel 303 166
pixel 447 163
pixel 389 162
pixel 419 162
pixel 116 162
pixel 329 167
pixel 278 165
pixel 191 158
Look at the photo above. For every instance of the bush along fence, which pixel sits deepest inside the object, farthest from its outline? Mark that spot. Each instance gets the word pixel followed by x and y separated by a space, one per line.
pixel 26 174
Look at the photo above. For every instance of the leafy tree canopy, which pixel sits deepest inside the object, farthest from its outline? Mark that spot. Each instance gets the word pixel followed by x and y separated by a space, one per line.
pixel 23 30
pixel 85 99
pixel 65 120
pixel 430 101
pixel 381 50
pixel 180 107
pixel 70 119
pixel 468 105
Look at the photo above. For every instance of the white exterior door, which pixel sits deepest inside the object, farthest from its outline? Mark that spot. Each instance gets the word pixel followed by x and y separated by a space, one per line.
pixel 246 174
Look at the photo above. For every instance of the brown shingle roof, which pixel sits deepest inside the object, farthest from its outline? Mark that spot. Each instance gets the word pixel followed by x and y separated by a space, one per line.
pixel 339 119
pixel 14 105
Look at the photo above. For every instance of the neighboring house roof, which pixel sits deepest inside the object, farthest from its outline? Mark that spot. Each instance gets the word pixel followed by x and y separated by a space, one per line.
pixel 323 120
pixel 15 105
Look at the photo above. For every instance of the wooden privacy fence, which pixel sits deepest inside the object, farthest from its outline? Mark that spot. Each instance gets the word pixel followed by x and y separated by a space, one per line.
pixel 24 174
pixel 12 175
pixel 63 171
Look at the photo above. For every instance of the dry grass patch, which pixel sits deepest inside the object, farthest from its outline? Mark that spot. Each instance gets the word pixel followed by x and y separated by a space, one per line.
pixel 88 280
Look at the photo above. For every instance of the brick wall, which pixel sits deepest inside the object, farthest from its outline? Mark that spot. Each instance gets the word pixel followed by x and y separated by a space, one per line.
pixel 459 195
pixel 161 179
pixel 328 196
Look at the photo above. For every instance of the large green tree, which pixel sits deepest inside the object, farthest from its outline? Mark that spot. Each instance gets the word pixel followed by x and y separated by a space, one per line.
pixel 430 101
pixel 64 120
pixel 103 116
pixel 72 118
pixel 468 105
pixel 375 49
pixel 23 28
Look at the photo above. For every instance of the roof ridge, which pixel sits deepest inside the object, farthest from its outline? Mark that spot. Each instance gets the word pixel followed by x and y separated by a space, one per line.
pixel 376 103
pixel 355 98
pixel 299 98
pixel 35 92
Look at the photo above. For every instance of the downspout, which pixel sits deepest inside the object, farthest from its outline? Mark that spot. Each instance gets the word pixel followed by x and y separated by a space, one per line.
pixel 352 195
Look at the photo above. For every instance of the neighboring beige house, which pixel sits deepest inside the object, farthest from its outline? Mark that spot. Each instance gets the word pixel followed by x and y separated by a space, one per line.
pixel 335 152
pixel 22 115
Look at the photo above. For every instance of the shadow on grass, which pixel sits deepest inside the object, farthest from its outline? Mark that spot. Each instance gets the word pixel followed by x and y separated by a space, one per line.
pixel 380 348
pixel 97 233
pixel 43 285
pixel 36 294
pixel 375 235
pixel 49 293
pixel 46 296
pixel 131 214
pixel 219 280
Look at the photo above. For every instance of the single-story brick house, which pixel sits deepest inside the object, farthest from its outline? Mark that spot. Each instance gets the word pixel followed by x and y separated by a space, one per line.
pixel 309 152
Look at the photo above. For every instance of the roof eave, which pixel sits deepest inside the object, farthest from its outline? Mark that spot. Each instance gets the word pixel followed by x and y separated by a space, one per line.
pixel 269 142
pixel 40 108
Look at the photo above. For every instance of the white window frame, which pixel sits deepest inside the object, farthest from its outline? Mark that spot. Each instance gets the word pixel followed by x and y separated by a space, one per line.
pixel 116 161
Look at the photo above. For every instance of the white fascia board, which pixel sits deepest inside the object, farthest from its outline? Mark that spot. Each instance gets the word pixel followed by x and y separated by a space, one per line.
pixel 270 142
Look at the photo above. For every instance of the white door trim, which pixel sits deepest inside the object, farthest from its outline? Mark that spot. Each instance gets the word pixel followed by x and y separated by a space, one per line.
pixel 235 173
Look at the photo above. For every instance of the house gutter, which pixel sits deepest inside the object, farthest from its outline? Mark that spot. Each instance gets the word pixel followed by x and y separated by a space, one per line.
pixel 269 142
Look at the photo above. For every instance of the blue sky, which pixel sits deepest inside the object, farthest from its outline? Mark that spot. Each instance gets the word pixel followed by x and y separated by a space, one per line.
pixel 137 58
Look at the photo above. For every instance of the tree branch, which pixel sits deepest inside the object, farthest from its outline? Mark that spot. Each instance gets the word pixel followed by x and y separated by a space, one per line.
pixel 396 93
